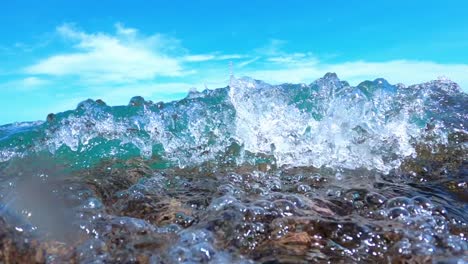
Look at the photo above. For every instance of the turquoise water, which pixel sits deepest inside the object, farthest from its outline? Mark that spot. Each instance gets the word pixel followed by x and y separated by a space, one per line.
pixel 320 172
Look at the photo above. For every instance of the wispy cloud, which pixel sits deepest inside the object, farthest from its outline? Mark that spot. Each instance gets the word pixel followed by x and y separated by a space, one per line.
pixel 119 65
pixel 25 84
pixel 247 62
pixel 33 82
pixel 98 57
pixel 127 58
pixel 273 64
pixel 211 57
pixel 404 71
pixel 301 70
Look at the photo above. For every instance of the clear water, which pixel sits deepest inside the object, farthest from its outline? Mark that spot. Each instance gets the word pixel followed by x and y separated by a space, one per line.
pixel 293 173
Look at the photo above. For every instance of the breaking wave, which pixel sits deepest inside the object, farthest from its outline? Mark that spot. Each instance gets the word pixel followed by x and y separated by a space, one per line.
pixel 265 157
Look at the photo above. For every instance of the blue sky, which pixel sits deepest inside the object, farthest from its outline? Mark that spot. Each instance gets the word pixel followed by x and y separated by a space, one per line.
pixel 54 54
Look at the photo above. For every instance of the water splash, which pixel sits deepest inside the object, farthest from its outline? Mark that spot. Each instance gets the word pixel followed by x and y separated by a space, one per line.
pixel 327 123
pixel 320 172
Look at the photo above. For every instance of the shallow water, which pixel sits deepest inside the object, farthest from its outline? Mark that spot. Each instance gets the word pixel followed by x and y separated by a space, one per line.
pixel 324 172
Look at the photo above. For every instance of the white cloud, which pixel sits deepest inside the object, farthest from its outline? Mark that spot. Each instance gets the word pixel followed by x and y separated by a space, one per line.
pixel 25 84
pixel 277 66
pixel 211 57
pixel 33 82
pixel 247 62
pixel 118 66
pixel 127 57
pixel 294 59
pixel 199 57
pixel 404 71
pixel 305 69
pixel 230 57
pixel 100 58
